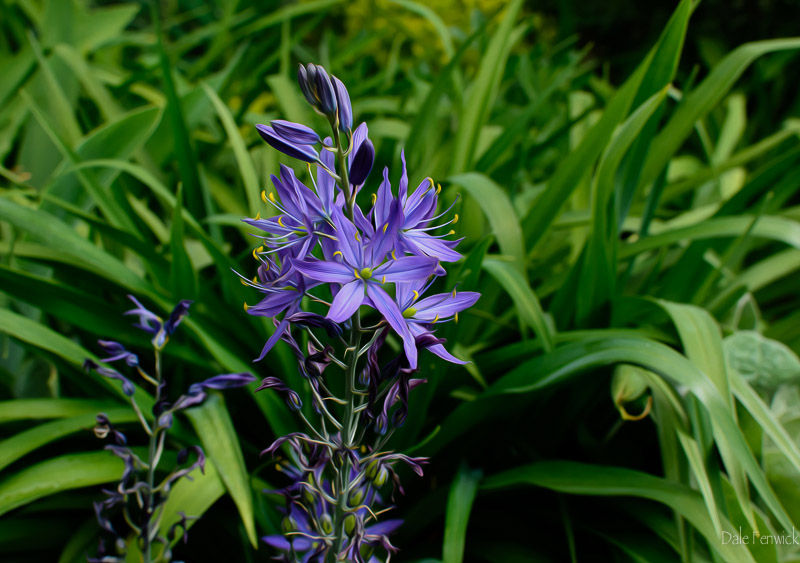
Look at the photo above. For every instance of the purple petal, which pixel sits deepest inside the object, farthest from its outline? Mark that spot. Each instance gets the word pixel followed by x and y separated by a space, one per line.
pixel 347 301
pixel 349 241
pixel 329 272
pixel 422 244
pixel 388 308
pixel 300 152
pixel 406 269
pixel 444 305
pixel 295 132
pixel 281 328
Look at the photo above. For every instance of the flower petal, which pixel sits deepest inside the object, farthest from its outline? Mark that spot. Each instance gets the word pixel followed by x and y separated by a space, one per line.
pixel 330 272
pixel 347 301
pixel 391 312
pixel 444 305
pixel 406 269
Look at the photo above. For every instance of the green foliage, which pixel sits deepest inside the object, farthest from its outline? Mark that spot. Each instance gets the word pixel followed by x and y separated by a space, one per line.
pixel 635 236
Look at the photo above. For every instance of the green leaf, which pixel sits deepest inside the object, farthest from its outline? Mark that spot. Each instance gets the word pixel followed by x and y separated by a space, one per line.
pixel 53 476
pixel 705 97
pixel 774 228
pixel 566 361
pixel 527 304
pixel 45 227
pixel 13 448
pixel 495 204
pixel 595 480
pixel 761 361
pixel 42 409
pixel 183 277
pixel 484 90
pixel 245 163
pixel 572 169
pixel 459 505
pixel 220 442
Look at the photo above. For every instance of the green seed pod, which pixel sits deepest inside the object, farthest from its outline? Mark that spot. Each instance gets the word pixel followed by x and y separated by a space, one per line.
pixel 350 524
pixel 372 469
pixel 357 497
pixel 289 524
pixel 382 477
pixel 309 496
pixel 327 524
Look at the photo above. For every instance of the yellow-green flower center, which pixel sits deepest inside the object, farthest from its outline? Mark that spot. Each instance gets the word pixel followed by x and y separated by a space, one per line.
pixel 365 273
pixel 410 312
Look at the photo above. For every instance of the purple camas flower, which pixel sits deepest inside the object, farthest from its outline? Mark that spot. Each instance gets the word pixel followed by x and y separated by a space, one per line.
pixel 324 261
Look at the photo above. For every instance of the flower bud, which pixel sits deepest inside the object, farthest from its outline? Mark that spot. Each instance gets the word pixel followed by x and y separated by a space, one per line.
pixel 295 133
pixel 325 93
pixel 309 497
pixel 299 151
pixel 343 103
pixel 305 84
pixel 362 163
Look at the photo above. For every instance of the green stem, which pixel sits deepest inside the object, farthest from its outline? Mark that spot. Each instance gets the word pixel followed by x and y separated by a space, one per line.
pixel 151 470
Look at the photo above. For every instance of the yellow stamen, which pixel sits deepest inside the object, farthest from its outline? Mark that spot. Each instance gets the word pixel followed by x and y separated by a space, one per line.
pixel 243 282
pixel 255 278
pixel 255 253
pixel 374 198
pixel 431 182
pixel 356 273
pixel 416 294
pixel 383 280
pixel 386 226
pixel 438 188
pixel 358 239
pixel 280 221
pixel 455 219
pixel 264 196
pixel 278 467
pixel 393 255
pixel 452 232
pixel 272 197
pixel 258 216
pixel 436 318
pixel 455 317
pixel 339 252
pixel 454 293
pixel 246 306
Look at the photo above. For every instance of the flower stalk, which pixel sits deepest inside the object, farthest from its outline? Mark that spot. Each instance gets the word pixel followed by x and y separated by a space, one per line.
pixel 326 264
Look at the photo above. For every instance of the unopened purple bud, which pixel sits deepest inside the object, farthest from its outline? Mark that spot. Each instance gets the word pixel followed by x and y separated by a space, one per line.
pixel 343 103
pixel 327 97
pixel 300 152
pixel 305 84
pixel 295 132
pixel 362 163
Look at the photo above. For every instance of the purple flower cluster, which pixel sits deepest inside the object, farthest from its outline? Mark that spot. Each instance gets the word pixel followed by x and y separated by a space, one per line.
pixel 138 478
pixel 325 260
pixel 384 258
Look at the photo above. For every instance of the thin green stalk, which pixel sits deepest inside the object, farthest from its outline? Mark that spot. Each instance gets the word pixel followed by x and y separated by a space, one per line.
pixel 152 461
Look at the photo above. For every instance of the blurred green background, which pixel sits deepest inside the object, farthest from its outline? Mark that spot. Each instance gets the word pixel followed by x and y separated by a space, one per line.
pixel 628 180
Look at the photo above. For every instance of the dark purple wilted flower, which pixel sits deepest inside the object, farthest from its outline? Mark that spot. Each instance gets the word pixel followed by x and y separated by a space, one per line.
pixel 153 324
